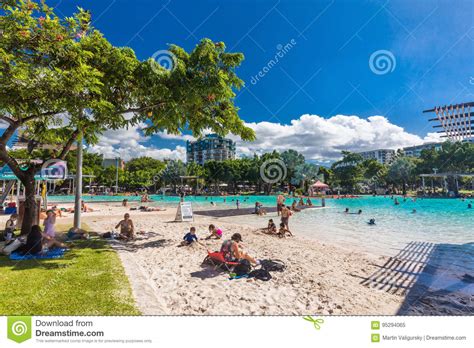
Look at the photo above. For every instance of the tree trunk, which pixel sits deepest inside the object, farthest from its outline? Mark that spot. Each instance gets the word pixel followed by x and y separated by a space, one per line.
pixel 30 208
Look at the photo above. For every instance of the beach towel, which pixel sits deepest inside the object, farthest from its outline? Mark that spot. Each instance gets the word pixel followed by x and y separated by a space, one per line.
pixel 51 254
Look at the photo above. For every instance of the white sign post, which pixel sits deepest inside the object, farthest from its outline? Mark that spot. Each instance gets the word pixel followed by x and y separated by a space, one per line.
pixel 185 212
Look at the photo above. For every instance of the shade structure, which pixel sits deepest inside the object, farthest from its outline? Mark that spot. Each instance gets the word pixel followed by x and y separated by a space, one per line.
pixel 320 185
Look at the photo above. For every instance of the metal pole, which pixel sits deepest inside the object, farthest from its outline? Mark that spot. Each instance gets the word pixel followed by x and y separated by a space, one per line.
pixel 116 174
pixel 78 192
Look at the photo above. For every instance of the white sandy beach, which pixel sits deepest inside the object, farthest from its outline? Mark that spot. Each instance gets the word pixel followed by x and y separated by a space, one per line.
pixel 321 278
pixel 171 280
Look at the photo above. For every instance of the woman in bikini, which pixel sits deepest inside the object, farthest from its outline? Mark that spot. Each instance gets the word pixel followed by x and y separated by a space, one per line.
pixel 232 250
pixel 127 230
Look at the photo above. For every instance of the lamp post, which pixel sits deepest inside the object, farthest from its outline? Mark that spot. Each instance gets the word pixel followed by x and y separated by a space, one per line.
pixel 78 191
pixel 116 174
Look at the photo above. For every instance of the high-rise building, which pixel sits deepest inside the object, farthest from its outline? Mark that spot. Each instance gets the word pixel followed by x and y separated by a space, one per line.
pixel 415 151
pixel 212 147
pixel 383 156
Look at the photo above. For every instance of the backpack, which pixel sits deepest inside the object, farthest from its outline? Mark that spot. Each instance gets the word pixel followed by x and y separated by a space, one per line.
pixel 260 274
pixel 242 268
pixel 273 265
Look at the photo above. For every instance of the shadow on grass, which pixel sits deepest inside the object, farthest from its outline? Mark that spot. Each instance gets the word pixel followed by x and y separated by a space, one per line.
pixel 436 279
pixel 95 244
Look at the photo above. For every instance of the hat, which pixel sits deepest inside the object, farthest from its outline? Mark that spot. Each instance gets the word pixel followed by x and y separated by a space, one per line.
pixel 236 237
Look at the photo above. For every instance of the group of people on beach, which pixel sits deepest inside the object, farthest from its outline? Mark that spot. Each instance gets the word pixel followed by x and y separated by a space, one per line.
pixel 36 241
pixel 231 249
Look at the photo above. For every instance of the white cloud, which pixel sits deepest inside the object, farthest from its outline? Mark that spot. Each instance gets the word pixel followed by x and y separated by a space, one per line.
pixel 319 139
pixel 130 143
pixel 323 139
pixel 181 137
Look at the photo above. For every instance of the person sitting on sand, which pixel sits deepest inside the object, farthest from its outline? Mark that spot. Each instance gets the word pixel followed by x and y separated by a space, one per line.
pixel 215 232
pixel 232 250
pixel 346 211
pixel 271 228
pixel 36 242
pixel 294 208
pixel 125 203
pixel 259 209
pixel 301 202
pixel 371 222
pixel 10 227
pixel 283 231
pixel 145 198
pixel 57 211
pixel 85 208
pixel 309 203
pixel 127 230
pixel 190 237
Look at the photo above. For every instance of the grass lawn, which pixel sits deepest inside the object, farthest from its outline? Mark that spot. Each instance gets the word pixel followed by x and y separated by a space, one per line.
pixel 89 280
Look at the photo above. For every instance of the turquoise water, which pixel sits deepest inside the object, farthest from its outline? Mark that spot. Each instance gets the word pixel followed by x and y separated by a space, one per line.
pixel 435 220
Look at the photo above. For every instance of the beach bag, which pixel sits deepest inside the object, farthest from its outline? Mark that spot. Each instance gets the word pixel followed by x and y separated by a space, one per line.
pixel 273 265
pixel 260 274
pixel 242 268
pixel 12 247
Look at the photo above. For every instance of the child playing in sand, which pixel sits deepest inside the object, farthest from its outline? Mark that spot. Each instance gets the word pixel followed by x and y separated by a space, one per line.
pixel 215 232
pixel 190 237
pixel 283 231
pixel 127 230
pixel 271 229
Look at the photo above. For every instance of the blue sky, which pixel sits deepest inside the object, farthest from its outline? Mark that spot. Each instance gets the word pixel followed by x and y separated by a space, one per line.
pixel 326 71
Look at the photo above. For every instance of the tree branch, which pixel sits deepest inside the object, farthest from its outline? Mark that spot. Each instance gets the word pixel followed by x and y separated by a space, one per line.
pixel 7 119
pixel 141 109
pixel 23 120
pixel 68 145
pixel 8 134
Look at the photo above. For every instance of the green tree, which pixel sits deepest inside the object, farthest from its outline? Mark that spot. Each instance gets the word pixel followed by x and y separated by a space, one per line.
pixel 61 80
pixel 347 171
pixel 171 175
pixel 401 171
pixel 374 173
pixel 292 159
pixel 304 174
